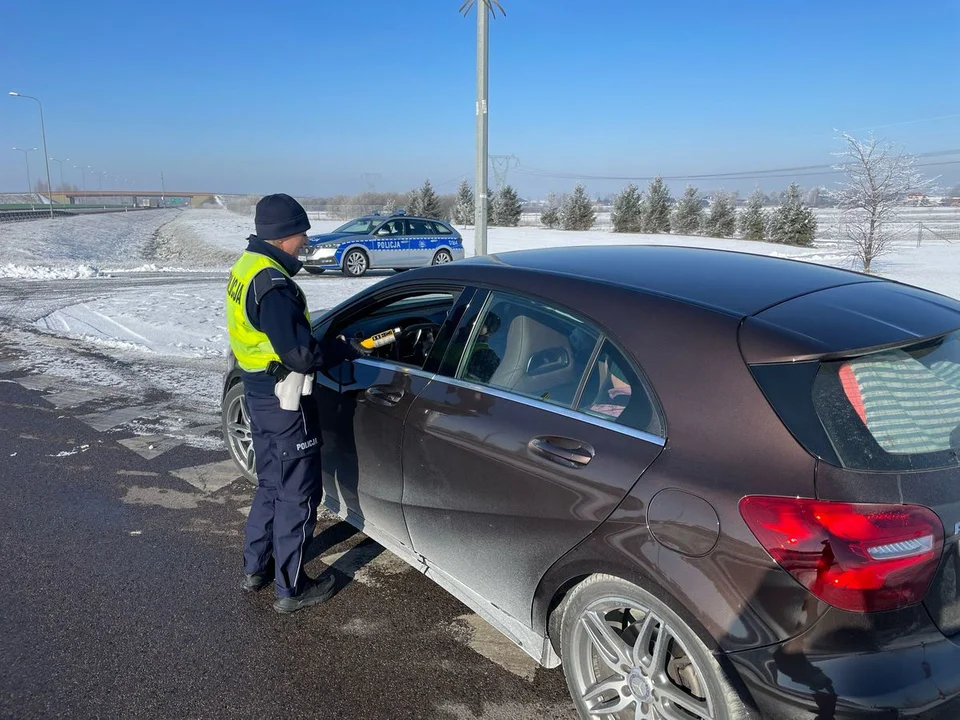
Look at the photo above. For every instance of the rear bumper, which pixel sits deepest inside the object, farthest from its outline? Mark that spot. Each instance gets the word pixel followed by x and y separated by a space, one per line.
pixel 851 666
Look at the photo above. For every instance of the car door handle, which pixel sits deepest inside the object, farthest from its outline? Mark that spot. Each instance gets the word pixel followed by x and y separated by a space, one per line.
pixel 564 451
pixel 386 396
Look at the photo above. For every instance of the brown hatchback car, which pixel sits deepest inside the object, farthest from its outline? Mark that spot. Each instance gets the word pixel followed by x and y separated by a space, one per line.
pixel 714 485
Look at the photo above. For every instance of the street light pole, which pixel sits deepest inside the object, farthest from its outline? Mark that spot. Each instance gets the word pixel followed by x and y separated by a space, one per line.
pixel 27 163
pixel 63 185
pixel 483 61
pixel 43 133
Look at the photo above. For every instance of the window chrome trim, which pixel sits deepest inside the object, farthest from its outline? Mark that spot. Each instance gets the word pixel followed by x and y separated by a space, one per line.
pixel 555 409
pixel 512 397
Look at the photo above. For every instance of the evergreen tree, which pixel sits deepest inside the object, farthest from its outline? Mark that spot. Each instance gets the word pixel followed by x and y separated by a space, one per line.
pixel 628 210
pixel 429 202
pixel 551 215
pixel 577 212
pixel 656 208
pixel 687 218
pixel 753 222
pixel 793 223
pixel 506 208
pixel 465 209
pixel 721 222
pixel 414 202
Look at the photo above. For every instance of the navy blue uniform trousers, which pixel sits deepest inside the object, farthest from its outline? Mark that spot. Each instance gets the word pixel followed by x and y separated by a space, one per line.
pixel 284 511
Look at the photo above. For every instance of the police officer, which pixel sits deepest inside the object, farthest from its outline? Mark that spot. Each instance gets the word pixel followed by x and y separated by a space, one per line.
pixel 270 335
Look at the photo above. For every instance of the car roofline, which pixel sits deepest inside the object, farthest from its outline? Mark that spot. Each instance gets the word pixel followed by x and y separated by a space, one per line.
pixel 496 259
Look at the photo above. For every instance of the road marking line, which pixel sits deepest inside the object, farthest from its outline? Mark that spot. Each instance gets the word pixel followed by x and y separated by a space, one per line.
pixel 211 477
pixel 358 561
pixel 71 397
pixel 170 499
pixel 494 645
pixel 9 366
pixel 150 446
pixel 40 382
pixel 110 419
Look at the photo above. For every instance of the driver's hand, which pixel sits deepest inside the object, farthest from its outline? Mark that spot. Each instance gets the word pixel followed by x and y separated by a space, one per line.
pixel 352 349
pixel 358 350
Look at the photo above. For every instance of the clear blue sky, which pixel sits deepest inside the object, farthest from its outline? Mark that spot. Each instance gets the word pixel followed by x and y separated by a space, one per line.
pixel 305 96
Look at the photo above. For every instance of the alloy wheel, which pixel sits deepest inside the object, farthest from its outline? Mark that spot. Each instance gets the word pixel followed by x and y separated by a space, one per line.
pixel 355 263
pixel 239 435
pixel 627 662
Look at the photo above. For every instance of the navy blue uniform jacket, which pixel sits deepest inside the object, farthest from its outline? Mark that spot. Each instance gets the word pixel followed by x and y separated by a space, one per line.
pixel 276 308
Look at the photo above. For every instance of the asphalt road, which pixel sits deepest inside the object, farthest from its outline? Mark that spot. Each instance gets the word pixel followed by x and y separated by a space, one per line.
pixel 121 562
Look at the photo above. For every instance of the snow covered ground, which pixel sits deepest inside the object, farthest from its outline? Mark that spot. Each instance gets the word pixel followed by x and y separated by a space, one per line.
pixel 188 322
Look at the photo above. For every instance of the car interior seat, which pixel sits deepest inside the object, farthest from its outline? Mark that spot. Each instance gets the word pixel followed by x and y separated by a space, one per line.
pixel 537 361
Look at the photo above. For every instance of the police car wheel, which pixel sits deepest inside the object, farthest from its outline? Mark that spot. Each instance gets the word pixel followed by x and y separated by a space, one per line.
pixel 355 263
pixel 235 421
pixel 442 257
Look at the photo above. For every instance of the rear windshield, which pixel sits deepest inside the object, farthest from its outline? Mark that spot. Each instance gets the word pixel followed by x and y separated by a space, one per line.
pixel 893 410
pixel 903 403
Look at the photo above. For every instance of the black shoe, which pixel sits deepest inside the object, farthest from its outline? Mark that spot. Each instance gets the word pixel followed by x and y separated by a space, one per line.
pixel 317 592
pixel 255 582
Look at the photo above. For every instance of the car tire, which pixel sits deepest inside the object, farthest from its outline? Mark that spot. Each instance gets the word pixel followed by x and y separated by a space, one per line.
pixel 235 423
pixel 442 257
pixel 355 263
pixel 314 270
pixel 604 621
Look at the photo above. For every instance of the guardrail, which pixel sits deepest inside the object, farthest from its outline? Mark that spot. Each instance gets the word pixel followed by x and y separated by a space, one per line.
pixel 43 212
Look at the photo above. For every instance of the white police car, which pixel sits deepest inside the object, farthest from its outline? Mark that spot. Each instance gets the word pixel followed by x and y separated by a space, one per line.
pixel 372 242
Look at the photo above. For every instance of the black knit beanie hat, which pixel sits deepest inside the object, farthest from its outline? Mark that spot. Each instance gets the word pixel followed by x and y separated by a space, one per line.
pixel 279 216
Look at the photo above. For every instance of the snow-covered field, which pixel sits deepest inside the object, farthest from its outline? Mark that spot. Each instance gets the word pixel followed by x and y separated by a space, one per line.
pixel 188 321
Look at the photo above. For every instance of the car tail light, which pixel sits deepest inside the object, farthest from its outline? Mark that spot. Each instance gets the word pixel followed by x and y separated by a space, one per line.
pixel 858 557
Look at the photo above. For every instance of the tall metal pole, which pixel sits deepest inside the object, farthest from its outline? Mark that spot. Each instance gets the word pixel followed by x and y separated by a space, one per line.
pixel 43 132
pixel 483 56
pixel 27 162
pixel 63 185
pixel 163 191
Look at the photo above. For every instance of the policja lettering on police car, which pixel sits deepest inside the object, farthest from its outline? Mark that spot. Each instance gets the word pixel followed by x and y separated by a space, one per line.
pixel 271 338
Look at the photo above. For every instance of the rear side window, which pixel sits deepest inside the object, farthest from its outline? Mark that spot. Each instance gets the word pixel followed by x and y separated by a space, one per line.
pixel 441 229
pixel 419 227
pixel 614 392
pixel 896 409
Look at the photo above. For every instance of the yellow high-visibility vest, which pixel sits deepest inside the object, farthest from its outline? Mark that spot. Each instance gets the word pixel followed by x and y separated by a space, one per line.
pixel 250 346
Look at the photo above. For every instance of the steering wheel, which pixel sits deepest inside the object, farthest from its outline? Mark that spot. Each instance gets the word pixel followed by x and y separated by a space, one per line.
pixel 410 343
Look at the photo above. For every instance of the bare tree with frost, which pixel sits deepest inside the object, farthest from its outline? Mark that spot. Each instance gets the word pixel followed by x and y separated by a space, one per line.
pixel 879 177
